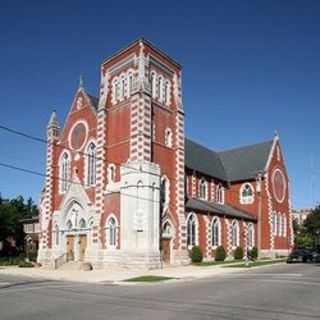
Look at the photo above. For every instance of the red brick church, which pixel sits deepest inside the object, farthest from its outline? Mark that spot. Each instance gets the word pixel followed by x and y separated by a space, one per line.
pixel 125 187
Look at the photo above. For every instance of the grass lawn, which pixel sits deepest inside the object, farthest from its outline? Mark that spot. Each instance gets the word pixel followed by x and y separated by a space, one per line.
pixel 148 279
pixel 256 263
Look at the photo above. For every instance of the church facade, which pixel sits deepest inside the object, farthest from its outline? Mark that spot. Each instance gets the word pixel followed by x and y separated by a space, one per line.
pixel 125 187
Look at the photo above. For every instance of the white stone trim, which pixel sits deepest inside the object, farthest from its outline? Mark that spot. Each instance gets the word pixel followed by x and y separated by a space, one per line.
pixel 84 122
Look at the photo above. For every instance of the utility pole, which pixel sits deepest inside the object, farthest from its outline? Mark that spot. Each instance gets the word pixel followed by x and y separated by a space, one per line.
pixel 259 191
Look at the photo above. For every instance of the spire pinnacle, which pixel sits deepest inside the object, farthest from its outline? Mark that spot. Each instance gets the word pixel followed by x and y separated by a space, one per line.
pixel 81 81
pixel 53 121
pixel 276 134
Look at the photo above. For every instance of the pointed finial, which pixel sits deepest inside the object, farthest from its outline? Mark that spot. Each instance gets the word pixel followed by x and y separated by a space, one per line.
pixel 276 133
pixel 53 119
pixel 81 81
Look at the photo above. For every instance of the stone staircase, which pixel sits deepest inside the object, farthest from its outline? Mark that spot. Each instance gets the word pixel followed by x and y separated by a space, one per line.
pixel 71 265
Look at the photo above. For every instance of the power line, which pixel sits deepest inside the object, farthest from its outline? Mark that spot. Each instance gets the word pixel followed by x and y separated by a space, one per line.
pixel 45 141
pixel 20 169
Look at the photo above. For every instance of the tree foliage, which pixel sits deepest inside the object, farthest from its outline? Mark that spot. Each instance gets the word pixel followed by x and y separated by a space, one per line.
pixel 11 212
pixel 308 235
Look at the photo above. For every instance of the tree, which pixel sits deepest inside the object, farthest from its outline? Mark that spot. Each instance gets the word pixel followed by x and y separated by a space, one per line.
pixel 311 225
pixel 11 212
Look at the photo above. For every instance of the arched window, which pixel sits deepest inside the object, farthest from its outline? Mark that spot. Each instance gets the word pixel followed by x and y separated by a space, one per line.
pixel 168 138
pixel 276 224
pixel 112 231
pixel 57 234
pixel 122 86
pixel 82 224
pixel 111 173
pixel 246 194
pixel 115 89
pixel 235 234
pixel 161 90
pixel 130 83
pixel 64 172
pixel 250 236
pixel 69 225
pixel 91 164
pixel 284 226
pixel 167 93
pixel 164 192
pixel 192 231
pixel 215 232
pixel 220 194
pixel 153 80
pixel 203 189
pixel 167 230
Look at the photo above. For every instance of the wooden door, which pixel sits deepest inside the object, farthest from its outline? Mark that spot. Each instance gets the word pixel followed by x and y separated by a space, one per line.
pixel 70 248
pixel 82 246
pixel 165 246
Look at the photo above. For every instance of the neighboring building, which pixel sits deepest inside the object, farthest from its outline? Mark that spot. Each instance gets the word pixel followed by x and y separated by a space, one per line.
pixel 124 186
pixel 31 228
pixel 300 215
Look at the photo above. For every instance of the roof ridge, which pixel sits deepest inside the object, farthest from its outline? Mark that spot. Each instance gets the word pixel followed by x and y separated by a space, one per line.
pixel 245 146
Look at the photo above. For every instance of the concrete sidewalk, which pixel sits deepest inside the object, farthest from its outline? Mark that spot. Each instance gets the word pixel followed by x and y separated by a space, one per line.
pixel 116 275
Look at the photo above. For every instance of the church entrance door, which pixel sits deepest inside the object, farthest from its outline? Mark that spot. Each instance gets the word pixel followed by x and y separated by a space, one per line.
pixel 70 248
pixel 82 246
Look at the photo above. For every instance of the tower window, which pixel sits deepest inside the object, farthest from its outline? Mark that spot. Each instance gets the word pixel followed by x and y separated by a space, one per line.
pixel 168 138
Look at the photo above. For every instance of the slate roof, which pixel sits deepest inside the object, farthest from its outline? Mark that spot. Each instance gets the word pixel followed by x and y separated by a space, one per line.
pixel 227 210
pixel 231 165
pixel 245 162
pixel 94 100
pixel 204 160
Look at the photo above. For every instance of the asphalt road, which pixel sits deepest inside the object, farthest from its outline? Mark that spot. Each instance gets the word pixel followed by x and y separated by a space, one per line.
pixel 277 292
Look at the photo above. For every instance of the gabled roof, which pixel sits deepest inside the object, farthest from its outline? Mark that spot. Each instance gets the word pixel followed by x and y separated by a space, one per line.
pixel 245 162
pixel 211 207
pixel 204 160
pixel 231 165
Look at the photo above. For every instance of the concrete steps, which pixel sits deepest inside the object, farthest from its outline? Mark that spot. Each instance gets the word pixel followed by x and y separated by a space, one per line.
pixel 71 265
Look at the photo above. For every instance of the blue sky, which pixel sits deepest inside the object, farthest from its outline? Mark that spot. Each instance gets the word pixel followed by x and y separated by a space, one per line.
pixel 250 67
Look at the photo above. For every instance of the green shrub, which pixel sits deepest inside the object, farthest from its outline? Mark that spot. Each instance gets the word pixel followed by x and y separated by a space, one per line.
pixel 25 264
pixel 32 256
pixel 10 261
pixel 220 254
pixel 238 253
pixel 196 254
pixel 254 253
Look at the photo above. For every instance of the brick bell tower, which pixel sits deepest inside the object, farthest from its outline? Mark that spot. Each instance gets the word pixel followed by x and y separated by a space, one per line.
pixel 142 125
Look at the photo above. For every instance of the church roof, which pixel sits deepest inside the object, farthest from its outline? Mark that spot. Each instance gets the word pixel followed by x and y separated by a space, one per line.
pixel 204 160
pixel 231 165
pixel 245 162
pixel 215 208
pixel 94 100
